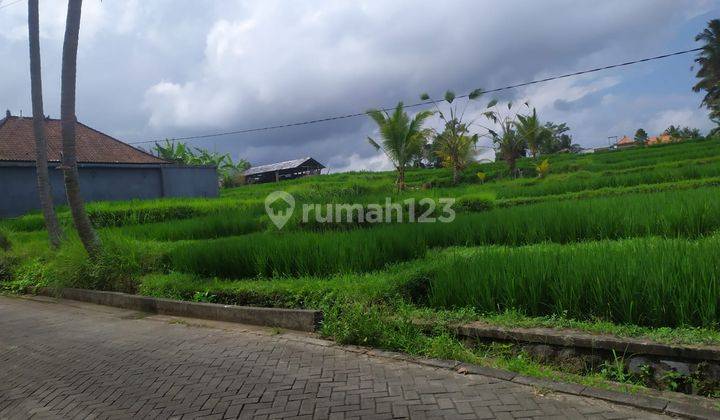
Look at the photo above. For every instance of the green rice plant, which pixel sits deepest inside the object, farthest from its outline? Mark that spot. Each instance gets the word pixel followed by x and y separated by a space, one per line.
pixel 293 254
pixel 228 223
pixel 585 180
pixel 646 281
pixel 122 213
pixel 688 214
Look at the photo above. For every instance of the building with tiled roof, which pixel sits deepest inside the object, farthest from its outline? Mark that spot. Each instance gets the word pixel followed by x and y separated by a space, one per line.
pixel 109 168
pixel 625 141
pixel 661 139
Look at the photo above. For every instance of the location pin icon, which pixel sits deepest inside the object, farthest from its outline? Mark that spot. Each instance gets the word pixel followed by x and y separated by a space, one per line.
pixel 280 217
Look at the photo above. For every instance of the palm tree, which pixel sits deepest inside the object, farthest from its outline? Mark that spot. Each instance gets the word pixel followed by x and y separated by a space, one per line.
pixel 455 149
pixel 454 145
pixel 402 138
pixel 41 159
pixel 87 234
pixel 528 127
pixel 709 73
pixel 511 147
pixel 508 143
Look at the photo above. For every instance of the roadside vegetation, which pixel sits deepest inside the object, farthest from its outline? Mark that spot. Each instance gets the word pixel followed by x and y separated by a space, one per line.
pixel 620 242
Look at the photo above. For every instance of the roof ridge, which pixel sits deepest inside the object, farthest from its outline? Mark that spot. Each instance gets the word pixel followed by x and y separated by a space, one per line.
pixel 120 141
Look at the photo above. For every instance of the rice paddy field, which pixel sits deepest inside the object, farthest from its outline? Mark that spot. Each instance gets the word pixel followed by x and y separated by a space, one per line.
pixel 626 242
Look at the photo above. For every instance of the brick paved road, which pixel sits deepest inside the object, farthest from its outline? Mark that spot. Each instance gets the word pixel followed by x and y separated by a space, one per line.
pixel 73 360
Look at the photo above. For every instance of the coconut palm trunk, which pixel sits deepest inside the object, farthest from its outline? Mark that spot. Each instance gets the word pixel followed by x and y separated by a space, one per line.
pixel 401 178
pixel 41 159
pixel 87 234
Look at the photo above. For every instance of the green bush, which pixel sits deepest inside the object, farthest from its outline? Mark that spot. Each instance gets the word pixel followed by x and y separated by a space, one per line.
pixel 4 242
pixel 475 202
pixel 121 263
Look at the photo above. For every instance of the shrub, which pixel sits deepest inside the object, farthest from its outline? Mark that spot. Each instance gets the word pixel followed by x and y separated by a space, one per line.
pixel 4 242
pixel 118 267
pixel 476 202
pixel 543 168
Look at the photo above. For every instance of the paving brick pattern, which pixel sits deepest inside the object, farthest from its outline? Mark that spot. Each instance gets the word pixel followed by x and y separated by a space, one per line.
pixel 71 360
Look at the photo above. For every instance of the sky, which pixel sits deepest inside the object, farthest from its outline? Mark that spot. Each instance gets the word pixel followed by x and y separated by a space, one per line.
pixel 149 70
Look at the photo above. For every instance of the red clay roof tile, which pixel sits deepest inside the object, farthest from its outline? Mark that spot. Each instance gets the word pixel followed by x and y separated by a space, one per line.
pixel 17 143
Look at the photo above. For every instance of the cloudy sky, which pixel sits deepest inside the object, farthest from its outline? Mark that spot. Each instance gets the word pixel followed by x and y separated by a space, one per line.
pixel 155 69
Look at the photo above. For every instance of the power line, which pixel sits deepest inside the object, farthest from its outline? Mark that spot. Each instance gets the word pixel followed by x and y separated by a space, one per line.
pixel 2 6
pixel 424 103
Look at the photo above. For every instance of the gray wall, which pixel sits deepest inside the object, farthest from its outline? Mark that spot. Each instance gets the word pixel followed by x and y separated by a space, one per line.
pixel 100 182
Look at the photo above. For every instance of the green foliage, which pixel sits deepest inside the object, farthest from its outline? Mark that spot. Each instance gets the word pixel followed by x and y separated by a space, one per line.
pixel 673 214
pixel 117 268
pixel 543 169
pixel 641 136
pixel 555 138
pixel 529 129
pixel 682 133
pixel 629 281
pixel 227 223
pixel 4 242
pixel 476 202
pixel 402 137
pixel 709 68
pixel 454 145
pixel 182 153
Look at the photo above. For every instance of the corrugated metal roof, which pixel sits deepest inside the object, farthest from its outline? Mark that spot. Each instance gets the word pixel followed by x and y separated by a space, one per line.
pixel 17 143
pixel 290 164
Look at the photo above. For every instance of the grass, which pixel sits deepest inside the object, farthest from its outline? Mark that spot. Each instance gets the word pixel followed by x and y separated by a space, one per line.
pixel 690 214
pixel 648 281
pixel 618 242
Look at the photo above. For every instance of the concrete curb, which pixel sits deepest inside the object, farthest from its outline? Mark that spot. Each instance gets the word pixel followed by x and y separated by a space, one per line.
pixel 687 406
pixel 291 319
pixel 580 339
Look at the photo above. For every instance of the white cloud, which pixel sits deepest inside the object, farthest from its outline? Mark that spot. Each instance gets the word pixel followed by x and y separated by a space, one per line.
pixel 355 162
pixel 679 117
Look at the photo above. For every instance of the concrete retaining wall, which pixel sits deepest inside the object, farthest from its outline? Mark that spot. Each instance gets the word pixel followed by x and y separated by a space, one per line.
pixel 292 319
pixel 98 182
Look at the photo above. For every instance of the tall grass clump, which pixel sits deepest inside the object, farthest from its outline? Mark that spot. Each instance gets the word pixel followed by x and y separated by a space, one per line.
pixel 118 267
pixel 647 281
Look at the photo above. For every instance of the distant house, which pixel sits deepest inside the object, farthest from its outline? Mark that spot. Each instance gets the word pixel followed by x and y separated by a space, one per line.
pixel 661 139
pixel 109 169
pixel 625 142
pixel 283 170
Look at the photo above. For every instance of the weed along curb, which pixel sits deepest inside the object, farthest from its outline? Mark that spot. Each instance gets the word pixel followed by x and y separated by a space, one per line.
pixel 671 403
pixel 292 319
pixel 582 340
